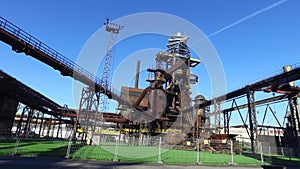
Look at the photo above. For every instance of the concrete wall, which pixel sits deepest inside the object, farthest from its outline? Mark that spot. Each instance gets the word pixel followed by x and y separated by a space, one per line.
pixel 8 109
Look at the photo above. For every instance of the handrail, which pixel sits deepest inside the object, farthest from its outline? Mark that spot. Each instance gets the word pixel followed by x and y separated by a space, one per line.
pixel 26 37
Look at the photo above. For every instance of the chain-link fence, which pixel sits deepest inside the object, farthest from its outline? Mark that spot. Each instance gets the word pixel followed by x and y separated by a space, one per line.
pixel 269 149
pixel 107 142
pixel 22 146
pixel 131 147
pixel 116 146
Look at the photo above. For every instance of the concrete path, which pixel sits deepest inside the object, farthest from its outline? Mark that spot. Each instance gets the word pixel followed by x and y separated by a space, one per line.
pixel 60 163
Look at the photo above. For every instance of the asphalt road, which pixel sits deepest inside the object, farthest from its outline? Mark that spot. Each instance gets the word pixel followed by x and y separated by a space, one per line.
pixel 60 163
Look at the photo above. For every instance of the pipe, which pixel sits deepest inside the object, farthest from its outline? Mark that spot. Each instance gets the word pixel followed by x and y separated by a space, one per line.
pixel 137 73
pixel 286 69
pixel 137 103
pixel 175 67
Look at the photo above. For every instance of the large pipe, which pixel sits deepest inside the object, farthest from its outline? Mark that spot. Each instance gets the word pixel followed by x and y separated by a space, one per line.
pixel 286 69
pixel 175 67
pixel 137 73
pixel 139 100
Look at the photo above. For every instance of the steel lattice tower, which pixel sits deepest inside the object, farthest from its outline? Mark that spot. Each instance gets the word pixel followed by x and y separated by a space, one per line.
pixel 112 28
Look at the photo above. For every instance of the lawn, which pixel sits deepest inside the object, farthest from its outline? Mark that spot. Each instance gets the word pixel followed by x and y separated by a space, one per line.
pixel 34 148
pixel 146 154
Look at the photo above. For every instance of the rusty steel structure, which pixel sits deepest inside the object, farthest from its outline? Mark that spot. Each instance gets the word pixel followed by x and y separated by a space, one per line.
pixel 280 83
pixel 96 101
pixel 37 106
pixel 158 107
pixel 89 102
pixel 166 103
pixel 22 42
pixel 34 101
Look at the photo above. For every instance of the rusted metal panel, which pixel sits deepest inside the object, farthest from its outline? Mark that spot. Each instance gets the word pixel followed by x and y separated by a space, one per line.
pixel 132 94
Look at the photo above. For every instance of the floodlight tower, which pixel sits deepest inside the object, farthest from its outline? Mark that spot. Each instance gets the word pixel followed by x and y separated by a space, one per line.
pixel 112 28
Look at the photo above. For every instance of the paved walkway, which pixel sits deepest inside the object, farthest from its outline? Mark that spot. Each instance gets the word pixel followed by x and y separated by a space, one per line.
pixel 60 163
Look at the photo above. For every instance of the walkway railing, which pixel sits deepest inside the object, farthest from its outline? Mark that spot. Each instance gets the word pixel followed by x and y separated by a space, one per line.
pixel 37 44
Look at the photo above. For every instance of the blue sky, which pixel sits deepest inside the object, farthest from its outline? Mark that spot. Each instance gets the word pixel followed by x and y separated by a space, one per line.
pixel 248 50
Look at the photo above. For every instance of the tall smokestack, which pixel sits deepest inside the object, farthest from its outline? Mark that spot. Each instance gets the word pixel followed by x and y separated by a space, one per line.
pixel 137 73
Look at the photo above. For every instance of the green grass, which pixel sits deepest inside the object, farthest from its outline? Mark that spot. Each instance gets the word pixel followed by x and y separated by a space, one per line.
pixel 144 154
pixel 34 147
pixel 150 155
pixel 7 147
pixel 277 159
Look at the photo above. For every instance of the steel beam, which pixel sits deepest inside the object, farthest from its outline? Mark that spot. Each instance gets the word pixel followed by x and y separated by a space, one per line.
pixel 272 82
pixel 22 42
pixel 252 119
pixel 295 122
pixel 226 122
pixel 16 90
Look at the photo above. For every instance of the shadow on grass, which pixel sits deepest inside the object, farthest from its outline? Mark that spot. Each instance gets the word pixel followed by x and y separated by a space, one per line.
pixel 276 160
pixel 46 153
pixel 34 147
pixel 60 163
pixel 7 146
pixel 56 152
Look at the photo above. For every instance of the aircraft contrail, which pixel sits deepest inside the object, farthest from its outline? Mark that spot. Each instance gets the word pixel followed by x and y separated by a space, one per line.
pixel 246 18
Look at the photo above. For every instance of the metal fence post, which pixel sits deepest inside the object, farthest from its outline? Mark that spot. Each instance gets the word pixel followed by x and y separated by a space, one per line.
pixel 282 151
pixel 116 149
pixel 232 154
pixel 261 153
pixel 69 145
pixel 198 162
pixel 159 152
pixel 15 153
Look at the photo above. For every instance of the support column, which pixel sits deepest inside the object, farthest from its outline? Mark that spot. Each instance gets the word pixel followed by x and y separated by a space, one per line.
pixel 19 127
pixel 28 120
pixel 226 122
pixel 49 126
pixel 41 125
pixel 217 112
pixel 88 112
pixel 252 119
pixel 59 127
pixel 295 122
pixel 36 121
pixel 53 127
pixel 8 109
